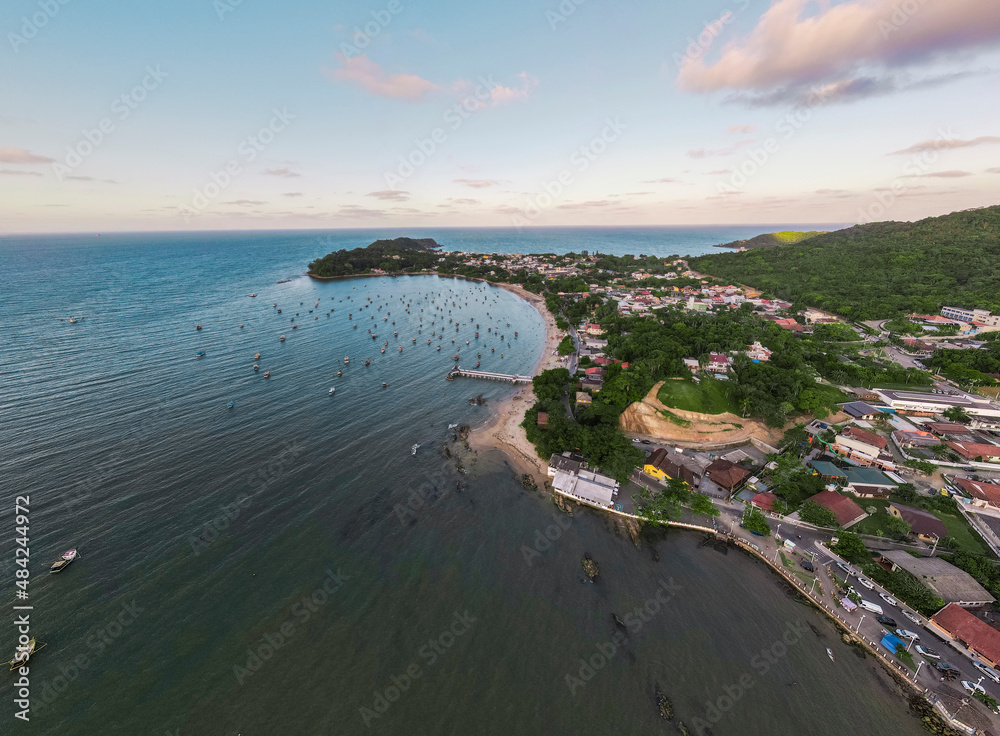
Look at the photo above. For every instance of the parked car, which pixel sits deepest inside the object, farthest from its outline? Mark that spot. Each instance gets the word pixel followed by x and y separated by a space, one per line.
pixel 645 442
pixel 912 616
pixel 927 652
pixel 807 565
pixel 886 621
pixel 988 671
pixel 867 583
pixel 845 567
pixel 888 599
pixel 907 634
pixel 947 671
pixel 973 688
pixel 635 439
pixel 869 606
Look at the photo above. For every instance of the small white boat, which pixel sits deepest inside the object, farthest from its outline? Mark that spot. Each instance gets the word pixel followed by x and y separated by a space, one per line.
pixel 72 320
pixel 452 426
pixel 252 295
pixel 413 450
pixel 332 390
pixel 63 562
pixel 829 653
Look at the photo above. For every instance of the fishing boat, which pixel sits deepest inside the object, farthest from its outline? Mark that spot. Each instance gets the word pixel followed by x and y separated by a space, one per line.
pixel 267 374
pixel 252 296
pixel 256 367
pixel 332 390
pixel 383 351
pixel 456 356
pixel 829 653
pixel 415 341
pixel 340 373
pixel 23 654
pixel 346 360
pixel 197 327
pixel 63 562
pixel 200 354
pixel 413 450
pixel 400 348
pixel 256 356
pixel 231 404
pixel 368 362
pixel 279 311
pixel 439 348
pixel 384 384
pixel 72 320
pixel 452 426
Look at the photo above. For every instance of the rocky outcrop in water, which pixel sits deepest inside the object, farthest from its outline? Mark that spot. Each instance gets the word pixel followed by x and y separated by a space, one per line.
pixel 590 567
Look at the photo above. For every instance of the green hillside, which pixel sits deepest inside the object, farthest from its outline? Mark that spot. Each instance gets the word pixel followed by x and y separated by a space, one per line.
pixel 879 270
pixel 769 240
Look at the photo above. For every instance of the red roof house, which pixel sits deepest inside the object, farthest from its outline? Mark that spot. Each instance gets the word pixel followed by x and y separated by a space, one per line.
pixel 865 436
pixel 844 509
pixel 983 493
pixel 972 450
pixel 957 623
pixel 764 501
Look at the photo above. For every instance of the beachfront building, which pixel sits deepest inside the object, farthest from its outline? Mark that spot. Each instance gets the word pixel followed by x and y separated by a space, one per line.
pixel 662 466
pixel 949 583
pixel 566 462
pixel 954 623
pixel 588 486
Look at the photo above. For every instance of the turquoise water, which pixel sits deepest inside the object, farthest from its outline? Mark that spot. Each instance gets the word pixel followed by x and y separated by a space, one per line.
pixel 287 566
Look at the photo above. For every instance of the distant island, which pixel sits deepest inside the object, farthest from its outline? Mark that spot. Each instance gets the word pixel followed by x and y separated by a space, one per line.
pixel 878 270
pixel 382 256
pixel 770 240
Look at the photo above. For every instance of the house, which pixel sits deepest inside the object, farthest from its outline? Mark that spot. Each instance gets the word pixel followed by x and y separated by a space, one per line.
pixel 594 330
pixel 764 501
pixel 828 471
pixel 976 451
pixel 592 384
pixel 861 451
pixel 718 363
pixel 922 523
pixel 692 364
pixel 983 494
pixel 868 483
pixel 865 436
pixel 758 353
pixel 662 466
pixel 587 485
pixel 954 622
pixel 595 371
pixel 583 399
pixel 863 394
pixel 844 509
pixel 860 410
pixel 566 462
pixel 789 324
pixel 947 581
pixel 543 419
pixel 726 474
pixel 944 429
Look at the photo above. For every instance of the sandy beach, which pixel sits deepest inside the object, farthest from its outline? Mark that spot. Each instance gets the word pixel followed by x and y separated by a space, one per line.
pixel 504 431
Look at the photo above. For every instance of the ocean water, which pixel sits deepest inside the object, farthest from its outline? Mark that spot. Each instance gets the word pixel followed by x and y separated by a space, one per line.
pixel 287 566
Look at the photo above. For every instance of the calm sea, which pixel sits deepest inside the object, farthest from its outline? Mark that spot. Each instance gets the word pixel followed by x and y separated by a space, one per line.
pixel 288 566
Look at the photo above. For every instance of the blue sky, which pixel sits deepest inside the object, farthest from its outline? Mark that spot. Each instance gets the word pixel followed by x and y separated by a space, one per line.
pixel 269 115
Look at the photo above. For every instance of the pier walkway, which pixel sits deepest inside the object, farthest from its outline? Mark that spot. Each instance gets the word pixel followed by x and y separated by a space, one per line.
pixel 458 371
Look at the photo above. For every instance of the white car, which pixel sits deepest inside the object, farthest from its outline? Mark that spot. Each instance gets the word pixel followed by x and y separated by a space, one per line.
pixel 867 583
pixel 927 652
pixel 973 688
pixel 889 599
pixel 906 634
pixel 912 616
pixel 845 567
pixel 988 671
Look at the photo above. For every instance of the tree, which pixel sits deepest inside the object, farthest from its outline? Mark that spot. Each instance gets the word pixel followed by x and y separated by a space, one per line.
pixel 851 548
pixel 702 504
pixel 566 346
pixel 812 513
pixel 754 521
pixel 957 414
pixel 905 493
pixel 897 528
pixel 922 465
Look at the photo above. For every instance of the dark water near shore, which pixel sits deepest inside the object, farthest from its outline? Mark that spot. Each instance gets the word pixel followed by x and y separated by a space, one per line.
pixel 125 445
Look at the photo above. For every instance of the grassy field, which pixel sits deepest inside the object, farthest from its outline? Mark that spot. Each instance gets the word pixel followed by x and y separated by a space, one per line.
pixel 708 397
pixel 968 540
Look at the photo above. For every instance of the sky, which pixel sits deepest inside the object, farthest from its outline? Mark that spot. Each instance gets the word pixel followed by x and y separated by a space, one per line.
pixel 257 114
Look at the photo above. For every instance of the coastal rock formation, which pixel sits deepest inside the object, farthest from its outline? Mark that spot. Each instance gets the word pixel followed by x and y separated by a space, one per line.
pixel 590 567
pixel 692 429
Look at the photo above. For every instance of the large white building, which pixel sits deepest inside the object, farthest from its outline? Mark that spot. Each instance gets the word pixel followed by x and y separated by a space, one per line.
pixel 915 402
pixel 976 316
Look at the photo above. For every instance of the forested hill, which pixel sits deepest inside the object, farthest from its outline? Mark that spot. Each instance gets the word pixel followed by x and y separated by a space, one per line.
pixel 769 240
pixel 391 256
pixel 878 270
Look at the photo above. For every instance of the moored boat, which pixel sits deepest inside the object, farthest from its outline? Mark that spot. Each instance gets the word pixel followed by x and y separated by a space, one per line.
pixel 332 390
pixel 23 653
pixel 346 360
pixel 281 339
pixel 267 374
pixel 200 354
pixel 63 562
pixel 413 450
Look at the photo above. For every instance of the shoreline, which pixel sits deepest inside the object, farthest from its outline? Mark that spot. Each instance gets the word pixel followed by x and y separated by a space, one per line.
pixel 503 432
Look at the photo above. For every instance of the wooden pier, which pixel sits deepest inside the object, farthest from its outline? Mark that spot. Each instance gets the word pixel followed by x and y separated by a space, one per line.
pixel 458 371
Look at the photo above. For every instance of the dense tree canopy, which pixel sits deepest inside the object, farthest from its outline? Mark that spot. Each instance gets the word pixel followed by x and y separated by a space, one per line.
pixel 882 269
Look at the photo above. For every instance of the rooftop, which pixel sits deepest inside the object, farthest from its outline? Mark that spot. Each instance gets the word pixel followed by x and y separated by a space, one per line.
pixel 846 511
pixel 984 491
pixel 920 521
pixel 952 584
pixel 976 633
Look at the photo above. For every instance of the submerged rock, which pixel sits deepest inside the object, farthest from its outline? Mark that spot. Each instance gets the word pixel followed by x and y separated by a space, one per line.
pixel 664 704
pixel 590 567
